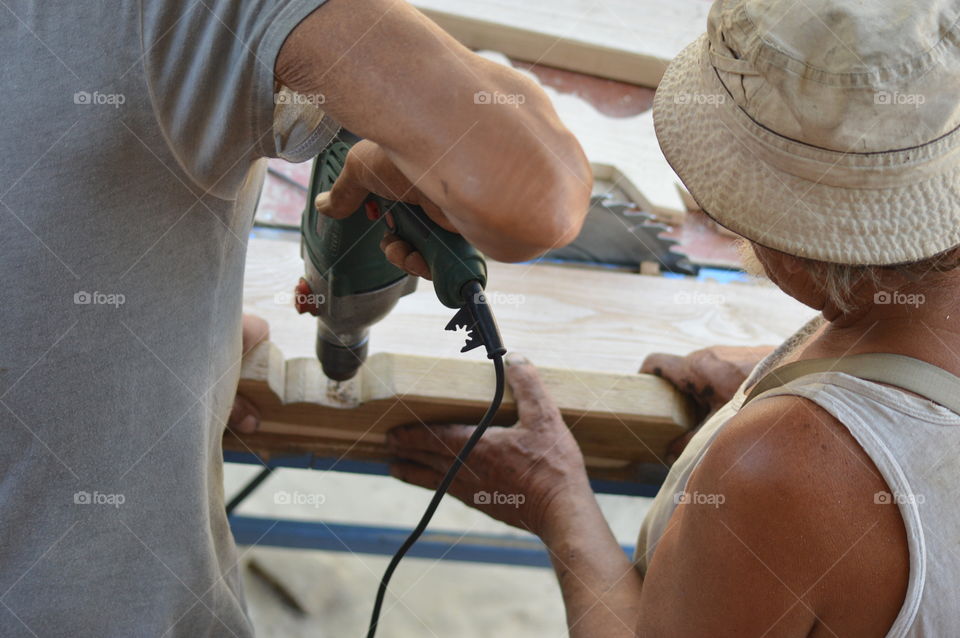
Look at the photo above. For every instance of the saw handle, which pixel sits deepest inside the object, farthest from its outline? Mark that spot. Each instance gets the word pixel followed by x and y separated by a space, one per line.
pixel 452 260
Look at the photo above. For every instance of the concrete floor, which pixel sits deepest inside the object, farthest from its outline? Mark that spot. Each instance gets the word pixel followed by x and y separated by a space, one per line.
pixel 335 591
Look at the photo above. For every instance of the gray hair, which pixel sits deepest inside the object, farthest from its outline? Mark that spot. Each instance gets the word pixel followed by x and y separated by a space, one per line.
pixel 840 281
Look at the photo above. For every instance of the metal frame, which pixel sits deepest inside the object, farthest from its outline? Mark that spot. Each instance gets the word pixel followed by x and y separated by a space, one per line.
pixel 364 539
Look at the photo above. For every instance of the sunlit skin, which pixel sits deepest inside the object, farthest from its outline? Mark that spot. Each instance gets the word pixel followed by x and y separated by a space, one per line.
pixel 514 181
pixel 798 548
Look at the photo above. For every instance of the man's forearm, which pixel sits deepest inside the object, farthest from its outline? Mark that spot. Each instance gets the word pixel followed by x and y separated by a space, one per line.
pixel 510 177
pixel 601 587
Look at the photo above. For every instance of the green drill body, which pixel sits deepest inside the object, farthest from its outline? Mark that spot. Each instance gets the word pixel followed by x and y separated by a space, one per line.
pixel 349 274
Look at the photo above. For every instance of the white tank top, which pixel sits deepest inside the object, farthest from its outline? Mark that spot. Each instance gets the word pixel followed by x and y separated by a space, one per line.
pixel 914 442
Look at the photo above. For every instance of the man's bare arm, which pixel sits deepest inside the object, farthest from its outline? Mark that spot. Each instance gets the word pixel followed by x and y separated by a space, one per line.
pixel 600 585
pixel 780 535
pixel 510 177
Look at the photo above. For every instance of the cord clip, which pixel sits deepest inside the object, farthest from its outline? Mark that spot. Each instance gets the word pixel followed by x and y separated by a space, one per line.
pixel 475 316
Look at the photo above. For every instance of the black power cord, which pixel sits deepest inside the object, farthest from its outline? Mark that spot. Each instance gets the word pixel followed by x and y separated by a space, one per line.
pixel 483 324
pixel 438 495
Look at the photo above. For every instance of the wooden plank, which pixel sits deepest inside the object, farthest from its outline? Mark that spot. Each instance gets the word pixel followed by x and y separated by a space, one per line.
pixel 620 418
pixel 626 40
pixel 621 150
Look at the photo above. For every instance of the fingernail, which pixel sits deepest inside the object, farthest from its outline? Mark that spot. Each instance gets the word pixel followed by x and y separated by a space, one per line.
pixel 516 359
pixel 322 202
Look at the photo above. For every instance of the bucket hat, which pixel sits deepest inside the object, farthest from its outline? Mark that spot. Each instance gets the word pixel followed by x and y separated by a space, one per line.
pixel 825 129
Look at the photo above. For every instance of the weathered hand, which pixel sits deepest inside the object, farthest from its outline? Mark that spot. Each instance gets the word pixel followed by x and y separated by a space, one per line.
pixel 522 475
pixel 710 377
pixel 245 418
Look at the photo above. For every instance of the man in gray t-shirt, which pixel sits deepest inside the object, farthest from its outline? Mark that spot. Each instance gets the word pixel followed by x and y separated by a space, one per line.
pixel 133 135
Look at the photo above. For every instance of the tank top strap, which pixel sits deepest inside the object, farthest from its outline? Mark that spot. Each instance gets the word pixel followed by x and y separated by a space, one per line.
pixel 922 378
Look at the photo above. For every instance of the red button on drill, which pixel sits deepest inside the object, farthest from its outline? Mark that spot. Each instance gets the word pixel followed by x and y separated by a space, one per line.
pixel 303 298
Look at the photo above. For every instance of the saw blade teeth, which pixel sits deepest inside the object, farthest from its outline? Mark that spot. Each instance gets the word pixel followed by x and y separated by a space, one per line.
pixel 647 232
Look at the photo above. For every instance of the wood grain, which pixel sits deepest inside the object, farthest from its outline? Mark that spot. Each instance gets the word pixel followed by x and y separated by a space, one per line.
pixel 559 317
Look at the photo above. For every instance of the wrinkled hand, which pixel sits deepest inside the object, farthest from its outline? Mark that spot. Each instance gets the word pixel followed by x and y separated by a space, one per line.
pixel 522 475
pixel 710 377
pixel 369 169
pixel 244 417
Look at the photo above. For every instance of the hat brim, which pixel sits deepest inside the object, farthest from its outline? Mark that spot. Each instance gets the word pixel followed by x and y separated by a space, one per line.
pixel 819 219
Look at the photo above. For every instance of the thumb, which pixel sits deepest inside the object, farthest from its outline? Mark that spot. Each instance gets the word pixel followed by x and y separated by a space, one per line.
pixel 366 170
pixel 535 406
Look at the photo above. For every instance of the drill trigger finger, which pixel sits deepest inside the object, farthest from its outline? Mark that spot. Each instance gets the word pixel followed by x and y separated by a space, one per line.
pixel 415 264
pixel 396 250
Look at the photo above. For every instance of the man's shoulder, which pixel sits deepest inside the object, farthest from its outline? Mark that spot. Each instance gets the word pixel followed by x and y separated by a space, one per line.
pixel 801 493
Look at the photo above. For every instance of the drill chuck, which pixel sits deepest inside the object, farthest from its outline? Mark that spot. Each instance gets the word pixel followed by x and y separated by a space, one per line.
pixel 341 361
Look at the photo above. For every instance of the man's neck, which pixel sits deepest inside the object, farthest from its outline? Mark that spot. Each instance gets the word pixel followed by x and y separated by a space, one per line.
pixel 924 325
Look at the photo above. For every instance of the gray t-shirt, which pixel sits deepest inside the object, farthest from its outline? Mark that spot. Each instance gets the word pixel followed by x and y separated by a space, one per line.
pixel 132 138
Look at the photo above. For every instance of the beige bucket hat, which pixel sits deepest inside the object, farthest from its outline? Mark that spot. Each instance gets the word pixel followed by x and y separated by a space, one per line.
pixel 826 129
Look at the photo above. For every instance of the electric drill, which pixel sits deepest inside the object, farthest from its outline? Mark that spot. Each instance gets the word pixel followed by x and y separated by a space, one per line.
pixel 349 284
